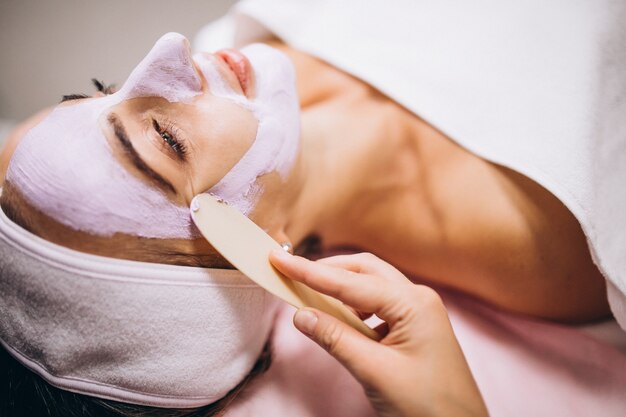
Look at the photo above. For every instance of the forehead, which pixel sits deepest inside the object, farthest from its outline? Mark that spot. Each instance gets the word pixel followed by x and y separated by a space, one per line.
pixel 65 167
pixel 175 252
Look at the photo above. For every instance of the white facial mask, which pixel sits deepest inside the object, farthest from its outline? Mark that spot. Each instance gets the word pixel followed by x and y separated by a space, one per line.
pixel 277 141
pixel 65 167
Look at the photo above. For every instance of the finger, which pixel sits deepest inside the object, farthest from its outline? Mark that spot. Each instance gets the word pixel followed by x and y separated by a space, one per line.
pixel 389 300
pixel 362 292
pixel 363 316
pixel 360 314
pixel 348 263
pixel 348 346
pixel 382 329
pixel 365 263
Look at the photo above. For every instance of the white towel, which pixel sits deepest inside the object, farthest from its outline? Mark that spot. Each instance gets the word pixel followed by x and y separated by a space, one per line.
pixel 539 87
pixel 152 334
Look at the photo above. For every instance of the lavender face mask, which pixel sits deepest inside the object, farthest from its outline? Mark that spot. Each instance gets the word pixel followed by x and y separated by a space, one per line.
pixel 65 167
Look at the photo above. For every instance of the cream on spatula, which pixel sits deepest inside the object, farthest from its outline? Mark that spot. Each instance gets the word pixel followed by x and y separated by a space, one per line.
pixel 247 247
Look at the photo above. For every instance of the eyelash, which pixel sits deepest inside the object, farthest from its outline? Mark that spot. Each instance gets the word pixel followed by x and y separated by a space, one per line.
pixel 171 138
pixel 100 86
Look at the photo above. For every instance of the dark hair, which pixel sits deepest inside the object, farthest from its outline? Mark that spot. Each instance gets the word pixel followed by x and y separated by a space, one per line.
pixel 25 394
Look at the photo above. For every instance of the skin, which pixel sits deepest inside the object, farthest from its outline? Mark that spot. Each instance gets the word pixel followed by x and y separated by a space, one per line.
pixel 413 197
pixel 433 209
pixel 234 126
pixel 417 346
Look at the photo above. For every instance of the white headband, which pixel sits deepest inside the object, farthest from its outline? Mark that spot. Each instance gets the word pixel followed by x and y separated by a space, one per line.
pixel 142 333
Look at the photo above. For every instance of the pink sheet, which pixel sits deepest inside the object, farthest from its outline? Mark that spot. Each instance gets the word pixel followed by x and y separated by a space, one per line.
pixel 523 368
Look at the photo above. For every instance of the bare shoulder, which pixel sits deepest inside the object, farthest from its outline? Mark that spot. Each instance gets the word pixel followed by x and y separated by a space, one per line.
pixel 489 231
pixel 466 223
pixel 512 241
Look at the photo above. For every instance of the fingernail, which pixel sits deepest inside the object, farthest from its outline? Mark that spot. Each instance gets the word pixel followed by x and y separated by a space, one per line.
pixel 305 321
pixel 280 254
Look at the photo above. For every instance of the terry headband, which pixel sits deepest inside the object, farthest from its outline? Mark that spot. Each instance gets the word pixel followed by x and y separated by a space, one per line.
pixel 142 333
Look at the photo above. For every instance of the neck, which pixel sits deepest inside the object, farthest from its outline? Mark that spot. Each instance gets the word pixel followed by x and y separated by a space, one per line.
pixel 358 162
pixel 353 169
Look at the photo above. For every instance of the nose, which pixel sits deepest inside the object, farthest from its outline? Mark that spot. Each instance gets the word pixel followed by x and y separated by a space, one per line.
pixel 167 71
pixel 202 64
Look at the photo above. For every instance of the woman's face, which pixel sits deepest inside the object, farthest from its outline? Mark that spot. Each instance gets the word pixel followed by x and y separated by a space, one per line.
pixel 186 148
pixel 131 162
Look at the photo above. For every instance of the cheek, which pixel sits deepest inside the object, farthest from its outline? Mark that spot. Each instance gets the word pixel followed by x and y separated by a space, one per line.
pixel 223 133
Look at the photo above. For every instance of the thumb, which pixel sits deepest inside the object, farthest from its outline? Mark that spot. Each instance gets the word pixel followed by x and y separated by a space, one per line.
pixel 352 349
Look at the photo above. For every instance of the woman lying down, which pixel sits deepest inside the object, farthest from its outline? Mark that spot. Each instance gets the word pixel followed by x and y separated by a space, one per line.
pixel 157 321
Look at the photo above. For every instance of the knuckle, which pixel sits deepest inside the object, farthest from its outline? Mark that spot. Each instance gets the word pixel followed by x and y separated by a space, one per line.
pixel 368 258
pixel 338 291
pixel 428 298
pixel 331 337
pixel 308 273
pixel 397 295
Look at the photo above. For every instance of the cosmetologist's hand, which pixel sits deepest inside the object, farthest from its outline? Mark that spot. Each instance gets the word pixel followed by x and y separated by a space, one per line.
pixel 417 368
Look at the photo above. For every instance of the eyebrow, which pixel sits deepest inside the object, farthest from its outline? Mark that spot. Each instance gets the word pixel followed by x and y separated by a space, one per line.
pixel 135 158
pixel 72 97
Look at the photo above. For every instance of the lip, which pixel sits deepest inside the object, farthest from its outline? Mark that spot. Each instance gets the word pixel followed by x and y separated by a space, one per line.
pixel 239 65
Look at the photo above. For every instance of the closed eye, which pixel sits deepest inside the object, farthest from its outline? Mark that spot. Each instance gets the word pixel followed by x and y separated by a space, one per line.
pixel 175 144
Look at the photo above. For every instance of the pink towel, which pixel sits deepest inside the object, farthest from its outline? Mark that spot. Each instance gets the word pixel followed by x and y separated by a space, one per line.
pixel 523 367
